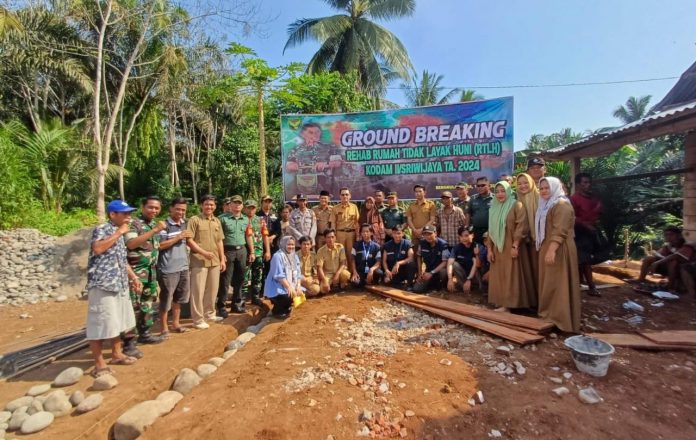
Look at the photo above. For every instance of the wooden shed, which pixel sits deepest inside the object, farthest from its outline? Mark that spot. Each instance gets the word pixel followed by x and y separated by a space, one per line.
pixel 674 114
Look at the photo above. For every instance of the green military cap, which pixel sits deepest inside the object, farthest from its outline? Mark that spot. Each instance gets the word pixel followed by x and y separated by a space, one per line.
pixel 236 199
pixel 392 194
pixel 266 197
pixel 250 203
pixel 227 200
pixel 461 185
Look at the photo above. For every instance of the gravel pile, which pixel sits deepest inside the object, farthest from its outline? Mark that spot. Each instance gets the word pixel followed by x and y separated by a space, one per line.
pixel 27 269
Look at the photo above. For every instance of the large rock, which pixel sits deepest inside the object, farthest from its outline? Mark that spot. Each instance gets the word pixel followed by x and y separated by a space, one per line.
pixel 37 422
pixel 132 423
pixel 168 400
pixel 245 337
pixel 185 381
pixel 217 361
pixel 18 417
pixel 205 370
pixel 76 398
pixel 37 390
pixel 5 416
pixel 91 403
pixel 68 377
pixel 229 353
pixel 105 382
pixel 35 407
pixel 58 404
pixel 22 401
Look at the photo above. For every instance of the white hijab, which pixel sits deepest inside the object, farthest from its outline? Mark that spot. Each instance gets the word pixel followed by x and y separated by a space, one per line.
pixel 557 194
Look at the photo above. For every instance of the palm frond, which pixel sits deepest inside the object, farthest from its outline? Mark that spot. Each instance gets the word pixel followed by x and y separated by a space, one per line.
pixel 388 9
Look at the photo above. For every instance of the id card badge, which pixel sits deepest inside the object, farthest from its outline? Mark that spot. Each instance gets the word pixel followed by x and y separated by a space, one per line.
pixel 367 269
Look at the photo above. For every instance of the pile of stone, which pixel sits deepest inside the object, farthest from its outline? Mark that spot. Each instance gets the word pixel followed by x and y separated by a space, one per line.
pixel 27 272
pixel 46 402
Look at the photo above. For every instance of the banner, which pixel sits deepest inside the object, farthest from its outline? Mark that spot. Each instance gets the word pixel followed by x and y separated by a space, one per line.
pixel 392 150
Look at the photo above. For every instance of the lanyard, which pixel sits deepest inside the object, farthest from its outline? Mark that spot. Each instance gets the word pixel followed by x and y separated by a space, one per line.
pixel 365 255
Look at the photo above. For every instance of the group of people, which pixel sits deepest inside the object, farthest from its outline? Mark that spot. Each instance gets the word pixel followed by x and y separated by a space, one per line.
pixel 518 246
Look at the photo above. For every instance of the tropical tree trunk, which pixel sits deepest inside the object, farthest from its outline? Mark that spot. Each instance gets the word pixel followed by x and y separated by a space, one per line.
pixel 262 142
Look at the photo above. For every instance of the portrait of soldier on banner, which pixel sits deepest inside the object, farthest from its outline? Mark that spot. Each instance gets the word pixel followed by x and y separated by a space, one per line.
pixel 312 165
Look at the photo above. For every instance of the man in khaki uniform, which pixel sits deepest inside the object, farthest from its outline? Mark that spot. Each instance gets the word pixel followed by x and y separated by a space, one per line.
pixel 344 217
pixel 207 261
pixel 332 264
pixel 323 214
pixel 420 213
pixel 308 267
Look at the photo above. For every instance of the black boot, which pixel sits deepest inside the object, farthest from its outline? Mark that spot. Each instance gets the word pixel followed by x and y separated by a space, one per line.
pixel 130 349
pixel 146 337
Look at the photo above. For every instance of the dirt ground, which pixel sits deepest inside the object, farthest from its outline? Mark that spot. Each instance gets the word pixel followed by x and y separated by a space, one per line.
pixel 646 394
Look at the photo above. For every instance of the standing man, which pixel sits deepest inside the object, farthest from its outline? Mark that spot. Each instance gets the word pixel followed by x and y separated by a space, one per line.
pixel 270 225
pixel 536 167
pixel 344 217
pixel 379 201
pixel 420 213
pixel 142 241
pixel 303 222
pixel 239 250
pixel 587 208
pixel 463 199
pixel 432 261
pixel 173 267
pixel 449 219
pixel 331 264
pixel 322 212
pixel 479 205
pixel 110 311
pixel 207 262
pixel 398 260
pixel 367 256
pixel 253 277
pixel 393 216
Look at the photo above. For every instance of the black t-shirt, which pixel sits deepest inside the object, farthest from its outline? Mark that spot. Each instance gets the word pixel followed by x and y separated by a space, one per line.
pixel 433 255
pixel 396 252
pixel 464 255
pixel 273 226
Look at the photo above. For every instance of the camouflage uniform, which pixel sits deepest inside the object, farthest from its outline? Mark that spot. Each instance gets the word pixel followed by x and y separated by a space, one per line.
pixel 253 277
pixel 143 261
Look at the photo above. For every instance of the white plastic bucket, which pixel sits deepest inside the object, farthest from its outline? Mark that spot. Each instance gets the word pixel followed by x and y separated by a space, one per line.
pixel 590 355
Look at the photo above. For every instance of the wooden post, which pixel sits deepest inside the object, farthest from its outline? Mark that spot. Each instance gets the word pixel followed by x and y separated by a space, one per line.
pixel 689 211
pixel 574 169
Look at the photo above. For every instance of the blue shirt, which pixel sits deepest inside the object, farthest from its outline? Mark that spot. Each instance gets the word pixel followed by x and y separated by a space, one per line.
pixel 108 271
pixel 464 255
pixel 282 266
pixel 433 255
pixel 366 255
pixel 396 252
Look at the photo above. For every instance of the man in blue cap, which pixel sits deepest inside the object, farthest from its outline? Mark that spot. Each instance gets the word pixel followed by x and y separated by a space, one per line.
pixel 110 312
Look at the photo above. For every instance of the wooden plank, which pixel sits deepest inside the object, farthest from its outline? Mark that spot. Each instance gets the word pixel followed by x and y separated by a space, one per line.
pixel 465 309
pixel 672 337
pixel 516 336
pixel 632 340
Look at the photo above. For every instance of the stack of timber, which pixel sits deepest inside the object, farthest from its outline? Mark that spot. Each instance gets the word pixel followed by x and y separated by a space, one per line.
pixel 21 361
pixel 516 328
pixel 651 340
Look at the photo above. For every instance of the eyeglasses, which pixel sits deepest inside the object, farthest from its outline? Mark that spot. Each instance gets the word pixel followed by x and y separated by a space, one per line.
pixel 481 185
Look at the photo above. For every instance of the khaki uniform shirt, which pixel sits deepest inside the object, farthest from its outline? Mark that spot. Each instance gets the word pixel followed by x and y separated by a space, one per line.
pixel 331 259
pixel 207 232
pixel 345 217
pixel 308 264
pixel 421 213
pixel 323 218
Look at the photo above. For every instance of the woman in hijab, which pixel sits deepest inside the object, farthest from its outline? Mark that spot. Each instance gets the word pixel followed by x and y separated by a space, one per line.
pixel 510 283
pixel 283 280
pixel 559 281
pixel 369 214
pixel 528 195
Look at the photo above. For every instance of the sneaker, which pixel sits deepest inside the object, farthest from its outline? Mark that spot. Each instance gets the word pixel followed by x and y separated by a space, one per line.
pixel 133 352
pixel 217 319
pixel 149 338
pixel 222 312
pixel 202 326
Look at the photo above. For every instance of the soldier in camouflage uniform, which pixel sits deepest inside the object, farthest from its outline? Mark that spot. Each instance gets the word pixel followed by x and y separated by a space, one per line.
pixel 312 162
pixel 142 241
pixel 253 278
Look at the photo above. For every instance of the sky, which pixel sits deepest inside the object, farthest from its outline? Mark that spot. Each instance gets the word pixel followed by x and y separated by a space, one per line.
pixel 526 42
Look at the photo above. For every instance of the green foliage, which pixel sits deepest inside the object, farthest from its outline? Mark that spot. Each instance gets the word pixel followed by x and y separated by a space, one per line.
pixel 16 184
pixel 54 223
pixel 426 90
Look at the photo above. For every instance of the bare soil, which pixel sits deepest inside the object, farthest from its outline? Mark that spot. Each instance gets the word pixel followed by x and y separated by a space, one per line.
pixel 646 394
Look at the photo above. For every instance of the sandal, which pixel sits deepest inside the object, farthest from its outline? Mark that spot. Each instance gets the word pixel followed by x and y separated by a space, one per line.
pixel 99 372
pixel 164 335
pixel 180 329
pixel 126 360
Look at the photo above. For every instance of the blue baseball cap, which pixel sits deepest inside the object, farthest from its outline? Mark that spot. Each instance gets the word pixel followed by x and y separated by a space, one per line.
pixel 119 206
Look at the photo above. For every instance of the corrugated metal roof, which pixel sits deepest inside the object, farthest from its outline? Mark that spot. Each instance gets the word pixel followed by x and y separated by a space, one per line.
pixel 611 133
pixel 683 91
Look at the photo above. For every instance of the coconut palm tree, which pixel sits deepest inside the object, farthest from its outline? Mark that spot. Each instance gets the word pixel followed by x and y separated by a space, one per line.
pixel 470 95
pixel 634 109
pixel 353 42
pixel 426 90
